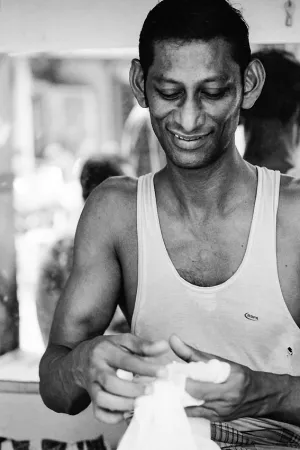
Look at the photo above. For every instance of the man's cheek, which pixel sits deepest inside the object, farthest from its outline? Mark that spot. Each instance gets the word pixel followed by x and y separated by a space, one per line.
pixel 161 110
pixel 223 111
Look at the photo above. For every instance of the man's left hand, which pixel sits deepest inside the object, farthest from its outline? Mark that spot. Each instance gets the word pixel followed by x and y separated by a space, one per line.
pixel 240 395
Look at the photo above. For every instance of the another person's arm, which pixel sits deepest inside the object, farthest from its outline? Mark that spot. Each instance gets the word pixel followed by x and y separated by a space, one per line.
pixel 80 363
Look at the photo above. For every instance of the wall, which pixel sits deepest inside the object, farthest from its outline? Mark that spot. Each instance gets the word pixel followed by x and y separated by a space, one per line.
pixel 23 416
pixel 267 18
pixel 41 25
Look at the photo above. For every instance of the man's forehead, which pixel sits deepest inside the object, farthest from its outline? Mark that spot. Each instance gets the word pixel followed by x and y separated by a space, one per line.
pixel 213 45
pixel 212 59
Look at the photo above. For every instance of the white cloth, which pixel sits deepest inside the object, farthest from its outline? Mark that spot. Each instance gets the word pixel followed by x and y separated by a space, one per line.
pixel 160 421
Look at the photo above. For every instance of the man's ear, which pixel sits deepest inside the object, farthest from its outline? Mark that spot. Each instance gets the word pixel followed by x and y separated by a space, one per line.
pixel 254 79
pixel 137 82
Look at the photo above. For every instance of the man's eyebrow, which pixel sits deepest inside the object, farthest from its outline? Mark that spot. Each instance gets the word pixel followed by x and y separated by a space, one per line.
pixel 222 78
pixel 161 78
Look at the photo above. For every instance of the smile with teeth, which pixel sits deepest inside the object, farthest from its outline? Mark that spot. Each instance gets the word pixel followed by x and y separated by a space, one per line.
pixel 190 139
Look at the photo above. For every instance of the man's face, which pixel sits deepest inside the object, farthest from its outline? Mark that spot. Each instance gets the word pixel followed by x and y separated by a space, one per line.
pixel 194 93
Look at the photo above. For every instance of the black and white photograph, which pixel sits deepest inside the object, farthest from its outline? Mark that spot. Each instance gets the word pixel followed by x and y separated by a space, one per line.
pixel 149 224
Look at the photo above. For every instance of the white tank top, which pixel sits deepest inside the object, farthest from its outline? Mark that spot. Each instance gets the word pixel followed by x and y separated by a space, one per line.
pixel 245 319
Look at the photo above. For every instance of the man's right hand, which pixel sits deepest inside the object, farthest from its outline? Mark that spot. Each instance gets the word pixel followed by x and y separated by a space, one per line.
pixel 112 396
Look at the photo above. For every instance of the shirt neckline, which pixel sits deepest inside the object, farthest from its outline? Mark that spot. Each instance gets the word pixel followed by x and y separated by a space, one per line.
pixel 229 281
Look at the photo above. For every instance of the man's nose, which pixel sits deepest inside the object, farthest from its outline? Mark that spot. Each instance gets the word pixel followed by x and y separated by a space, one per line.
pixel 191 116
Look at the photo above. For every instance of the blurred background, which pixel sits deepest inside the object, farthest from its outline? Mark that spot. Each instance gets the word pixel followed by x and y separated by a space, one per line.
pixel 65 110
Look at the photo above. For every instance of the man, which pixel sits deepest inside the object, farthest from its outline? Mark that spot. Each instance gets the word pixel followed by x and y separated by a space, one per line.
pixel 57 266
pixel 193 251
pixel 272 125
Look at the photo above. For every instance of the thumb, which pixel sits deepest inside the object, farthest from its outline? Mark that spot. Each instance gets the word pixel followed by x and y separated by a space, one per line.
pixel 182 350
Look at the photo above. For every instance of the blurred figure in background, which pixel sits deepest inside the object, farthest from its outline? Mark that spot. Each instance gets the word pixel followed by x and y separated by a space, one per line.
pixel 272 125
pixel 57 265
pixel 139 143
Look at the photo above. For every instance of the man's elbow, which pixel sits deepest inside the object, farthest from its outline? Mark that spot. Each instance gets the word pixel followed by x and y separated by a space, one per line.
pixel 78 406
pixel 58 390
pixel 59 404
pixel 52 401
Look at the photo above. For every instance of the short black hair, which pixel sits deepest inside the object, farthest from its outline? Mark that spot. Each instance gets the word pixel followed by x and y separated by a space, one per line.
pixel 190 20
pixel 97 169
pixel 280 96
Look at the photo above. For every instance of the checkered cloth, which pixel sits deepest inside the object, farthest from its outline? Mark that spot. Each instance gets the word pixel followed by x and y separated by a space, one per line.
pixel 255 434
pixel 48 444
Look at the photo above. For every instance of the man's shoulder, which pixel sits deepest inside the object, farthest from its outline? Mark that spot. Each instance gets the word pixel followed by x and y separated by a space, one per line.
pixel 112 204
pixel 108 214
pixel 115 192
pixel 117 187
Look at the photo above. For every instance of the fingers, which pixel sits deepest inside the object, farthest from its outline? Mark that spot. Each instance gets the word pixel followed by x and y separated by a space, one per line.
pixel 204 390
pixel 113 396
pixel 130 353
pixel 182 350
pixel 188 353
pixel 204 412
pixel 109 407
pixel 142 347
pixel 111 402
pixel 107 416
pixel 122 359
pixel 110 382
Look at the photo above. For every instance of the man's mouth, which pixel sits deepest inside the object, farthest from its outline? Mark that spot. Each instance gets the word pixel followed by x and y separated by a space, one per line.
pixel 189 139
pixel 192 142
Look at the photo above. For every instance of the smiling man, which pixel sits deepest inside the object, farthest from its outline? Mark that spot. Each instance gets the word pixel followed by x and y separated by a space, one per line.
pixel 206 249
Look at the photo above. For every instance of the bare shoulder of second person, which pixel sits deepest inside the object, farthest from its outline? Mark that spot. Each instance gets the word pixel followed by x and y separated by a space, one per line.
pixel 288 215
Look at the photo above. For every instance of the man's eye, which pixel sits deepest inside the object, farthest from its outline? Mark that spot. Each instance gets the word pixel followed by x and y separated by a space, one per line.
pixel 214 95
pixel 169 95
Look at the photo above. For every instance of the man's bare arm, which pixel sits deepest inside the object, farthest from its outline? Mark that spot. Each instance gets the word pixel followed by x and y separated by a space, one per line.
pixel 84 309
pixel 80 363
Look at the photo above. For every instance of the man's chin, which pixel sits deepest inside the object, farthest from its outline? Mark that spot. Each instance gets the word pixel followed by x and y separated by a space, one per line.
pixel 195 160
pixel 190 165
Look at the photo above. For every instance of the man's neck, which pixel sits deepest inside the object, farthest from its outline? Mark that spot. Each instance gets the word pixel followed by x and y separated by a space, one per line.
pixel 211 190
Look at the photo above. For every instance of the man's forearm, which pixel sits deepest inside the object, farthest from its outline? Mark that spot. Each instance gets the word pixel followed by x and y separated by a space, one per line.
pixel 62 378
pixel 280 397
